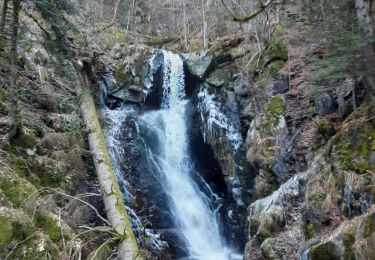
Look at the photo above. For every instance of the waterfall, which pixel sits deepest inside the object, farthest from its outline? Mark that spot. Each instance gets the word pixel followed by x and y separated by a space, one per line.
pixel 190 202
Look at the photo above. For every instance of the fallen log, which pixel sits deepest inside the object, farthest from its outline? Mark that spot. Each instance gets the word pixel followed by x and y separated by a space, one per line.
pixel 110 190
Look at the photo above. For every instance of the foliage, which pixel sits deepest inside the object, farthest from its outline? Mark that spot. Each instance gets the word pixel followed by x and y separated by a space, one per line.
pixel 53 12
pixel 340 41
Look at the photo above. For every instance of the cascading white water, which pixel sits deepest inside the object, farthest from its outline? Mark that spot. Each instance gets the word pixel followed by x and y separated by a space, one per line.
pixel 194 218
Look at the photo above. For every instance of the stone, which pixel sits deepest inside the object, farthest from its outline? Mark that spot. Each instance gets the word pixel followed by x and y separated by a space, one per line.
pixel 274 249
pixel 276 85
pixel 324 104
pixel 345 97
pixel 241 87
pixel 136 88
pixel 219 77
pixel 200 63
pixel 281 85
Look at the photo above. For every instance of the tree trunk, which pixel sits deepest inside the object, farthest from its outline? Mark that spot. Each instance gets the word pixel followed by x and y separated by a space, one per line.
pixel 365 17
pixel 185 24
pixel 205 29
pixel 15 112
pixel 110 190
pixel 4 12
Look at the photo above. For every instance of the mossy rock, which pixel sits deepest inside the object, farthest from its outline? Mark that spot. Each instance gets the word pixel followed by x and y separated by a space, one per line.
pixel 274 110
pixel 355 148
pixel 16 189
pixel 276 49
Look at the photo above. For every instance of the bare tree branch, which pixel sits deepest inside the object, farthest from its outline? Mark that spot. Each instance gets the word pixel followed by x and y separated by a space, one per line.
pixel 239 18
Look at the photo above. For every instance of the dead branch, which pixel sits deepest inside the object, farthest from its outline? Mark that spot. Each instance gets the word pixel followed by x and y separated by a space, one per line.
pixel 239 18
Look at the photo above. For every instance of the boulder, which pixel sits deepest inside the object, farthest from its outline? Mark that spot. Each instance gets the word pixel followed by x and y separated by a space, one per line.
pixel 324 104
pixel 276 85
pixel 219 77
pixel 200 63
pixel 345 97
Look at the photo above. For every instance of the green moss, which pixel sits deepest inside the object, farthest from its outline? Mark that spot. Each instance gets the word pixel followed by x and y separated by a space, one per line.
pixel 16 190
pixel 324 126
pixel 274 110
pixel 27 140
pixel 262 235
pixel 276 66
pixel 277 50
pixel 49 226
pixel 349 240
pixel 323 252
pixel 344 155
pixel 355 148
pixel 54 177
pixel 105 159
pixel 6 231
pixel 310 229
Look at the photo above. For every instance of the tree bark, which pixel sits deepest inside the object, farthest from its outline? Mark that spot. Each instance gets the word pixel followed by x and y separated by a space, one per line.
pixel 15 112
pixel 110 190
pixel 205 29
pixel 365 16
pixel 4 12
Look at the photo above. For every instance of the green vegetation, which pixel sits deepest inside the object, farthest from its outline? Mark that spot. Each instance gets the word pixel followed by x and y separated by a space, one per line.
pixel 340 42
pixel 6 231
pixel 355 148
pixel 274 109
pixel 276 49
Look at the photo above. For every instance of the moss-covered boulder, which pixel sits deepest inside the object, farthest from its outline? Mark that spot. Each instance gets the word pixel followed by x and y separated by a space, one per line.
pixel 267 134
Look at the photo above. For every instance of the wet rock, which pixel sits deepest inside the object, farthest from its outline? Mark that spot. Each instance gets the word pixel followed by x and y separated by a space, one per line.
pixel 219 77
pixel 132 72
pixel 274 249
pixel 200 64
pixel 221 130
pixel 135 88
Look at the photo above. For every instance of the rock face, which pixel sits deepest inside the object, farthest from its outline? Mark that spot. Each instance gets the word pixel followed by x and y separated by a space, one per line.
pixel 200 63
pixel 221 130
pixel 132 73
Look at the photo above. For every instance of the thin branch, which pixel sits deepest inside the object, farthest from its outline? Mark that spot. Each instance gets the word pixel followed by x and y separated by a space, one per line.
pixel 84 202
pixel 239 18
pixel 16 245
pixel 36 21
